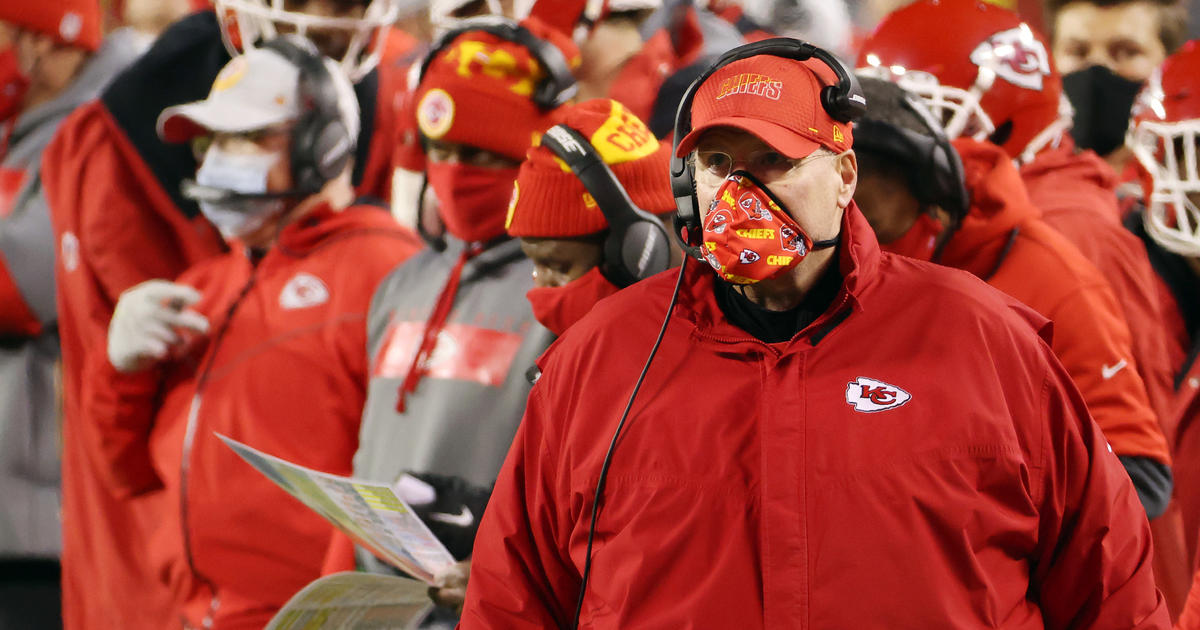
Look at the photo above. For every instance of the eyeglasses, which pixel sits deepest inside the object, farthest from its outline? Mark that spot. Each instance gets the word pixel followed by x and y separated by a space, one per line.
pixel 712 167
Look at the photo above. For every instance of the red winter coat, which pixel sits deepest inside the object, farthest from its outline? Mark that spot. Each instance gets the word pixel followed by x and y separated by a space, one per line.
pixel 1075 192
pixel 284 370
pixel 752 488
pixel 110 237
pixel 1003 241
pixel 116 226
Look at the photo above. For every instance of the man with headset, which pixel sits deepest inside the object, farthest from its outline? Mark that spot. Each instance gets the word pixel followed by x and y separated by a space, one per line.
pixel 262 344
pixel 826 435
pixel 594 229
pixel 450 335
pixel 588 231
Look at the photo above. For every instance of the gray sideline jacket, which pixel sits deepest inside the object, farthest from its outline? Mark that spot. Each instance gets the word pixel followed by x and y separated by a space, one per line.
pixel 462 417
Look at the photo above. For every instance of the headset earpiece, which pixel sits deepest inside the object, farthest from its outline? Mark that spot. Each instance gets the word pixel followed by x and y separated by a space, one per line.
pixel 321 146
pixel 636 247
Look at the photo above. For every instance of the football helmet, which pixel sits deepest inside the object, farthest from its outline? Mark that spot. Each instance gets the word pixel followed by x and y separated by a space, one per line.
pixel 1163 136
pixel 983 72
pixel 441 13
pixel 249 22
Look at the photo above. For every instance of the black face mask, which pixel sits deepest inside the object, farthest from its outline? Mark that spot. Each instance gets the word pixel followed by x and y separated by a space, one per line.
pixel 1102 102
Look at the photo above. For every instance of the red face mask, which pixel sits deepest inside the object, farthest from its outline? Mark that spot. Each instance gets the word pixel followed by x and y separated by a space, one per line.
pixel 473 200
pixel 919 241
pixel 13 84
pixel 747 235
pixel 558 308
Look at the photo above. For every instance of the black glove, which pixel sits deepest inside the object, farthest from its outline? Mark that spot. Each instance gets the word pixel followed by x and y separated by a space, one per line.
pixel 454 514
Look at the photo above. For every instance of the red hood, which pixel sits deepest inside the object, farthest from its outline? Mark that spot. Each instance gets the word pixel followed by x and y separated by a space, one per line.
pixel 999 203
pixel 1067 161
pixel 1062 180
pixel 325 225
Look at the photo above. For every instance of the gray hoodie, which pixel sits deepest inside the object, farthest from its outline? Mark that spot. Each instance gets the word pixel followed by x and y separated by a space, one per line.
pixel 462 417
pixel 29 406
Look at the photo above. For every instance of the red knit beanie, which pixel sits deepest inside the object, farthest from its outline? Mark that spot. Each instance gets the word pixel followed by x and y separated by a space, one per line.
pixel 478 91
pixel 71 22
pixel 550 202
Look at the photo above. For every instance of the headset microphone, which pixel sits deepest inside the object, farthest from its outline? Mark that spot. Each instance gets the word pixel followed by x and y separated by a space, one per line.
pixel 215 195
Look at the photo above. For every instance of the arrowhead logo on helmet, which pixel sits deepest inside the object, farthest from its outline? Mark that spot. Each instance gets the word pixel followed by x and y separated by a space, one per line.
pixel 1016 56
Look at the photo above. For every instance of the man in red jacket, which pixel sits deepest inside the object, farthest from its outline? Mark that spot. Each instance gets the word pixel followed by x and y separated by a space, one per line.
pixel 263 344
pixel 995 74
pixel 991 77
pixel 1162 140
pixel 1001 240
pixel 113 189
pixel 827 436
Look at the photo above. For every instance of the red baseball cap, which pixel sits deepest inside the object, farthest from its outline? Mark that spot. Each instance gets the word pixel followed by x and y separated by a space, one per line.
pixel 774 98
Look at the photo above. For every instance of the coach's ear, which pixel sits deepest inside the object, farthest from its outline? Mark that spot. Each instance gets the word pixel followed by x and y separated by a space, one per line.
pixel 847 167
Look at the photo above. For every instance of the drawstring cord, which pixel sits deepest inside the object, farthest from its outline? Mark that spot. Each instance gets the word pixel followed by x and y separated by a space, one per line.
pixel 433 327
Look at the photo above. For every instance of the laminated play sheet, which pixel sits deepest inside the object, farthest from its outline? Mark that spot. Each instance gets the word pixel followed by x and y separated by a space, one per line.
pixel 370 513
pixel 355 601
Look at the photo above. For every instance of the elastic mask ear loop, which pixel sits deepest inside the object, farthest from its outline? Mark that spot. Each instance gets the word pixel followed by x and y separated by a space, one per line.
pixel 825 244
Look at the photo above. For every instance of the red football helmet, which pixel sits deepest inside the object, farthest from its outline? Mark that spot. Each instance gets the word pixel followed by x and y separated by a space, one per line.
pixel 1163 136
pixel 982 70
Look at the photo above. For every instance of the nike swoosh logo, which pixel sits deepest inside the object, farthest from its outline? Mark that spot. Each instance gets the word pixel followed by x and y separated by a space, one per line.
pixel 1110 371
pixel 463 519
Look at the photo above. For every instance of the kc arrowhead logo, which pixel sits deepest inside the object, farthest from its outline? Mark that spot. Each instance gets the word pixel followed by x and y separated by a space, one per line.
pixel 868 395
pixel 748 256
pixel 302 291
pixel 1016 56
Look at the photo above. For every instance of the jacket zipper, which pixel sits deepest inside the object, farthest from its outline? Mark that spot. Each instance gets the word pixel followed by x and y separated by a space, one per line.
pixel 193 423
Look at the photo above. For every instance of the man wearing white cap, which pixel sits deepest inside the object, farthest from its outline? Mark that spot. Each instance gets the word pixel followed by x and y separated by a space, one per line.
pixel 263 343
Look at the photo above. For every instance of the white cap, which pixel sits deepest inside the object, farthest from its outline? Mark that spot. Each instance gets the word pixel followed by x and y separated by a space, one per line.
pixel 254 91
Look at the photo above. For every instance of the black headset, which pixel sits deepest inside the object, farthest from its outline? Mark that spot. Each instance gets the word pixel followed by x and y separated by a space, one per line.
pixel 556 88
pixel 935 171
pixel 636 246
pixel 843 101
pixel 321 144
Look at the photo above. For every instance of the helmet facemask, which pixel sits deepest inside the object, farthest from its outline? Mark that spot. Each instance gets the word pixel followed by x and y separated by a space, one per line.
pixel 248 22
pixel 441 13
pixel 958 110
pixel 1167 152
